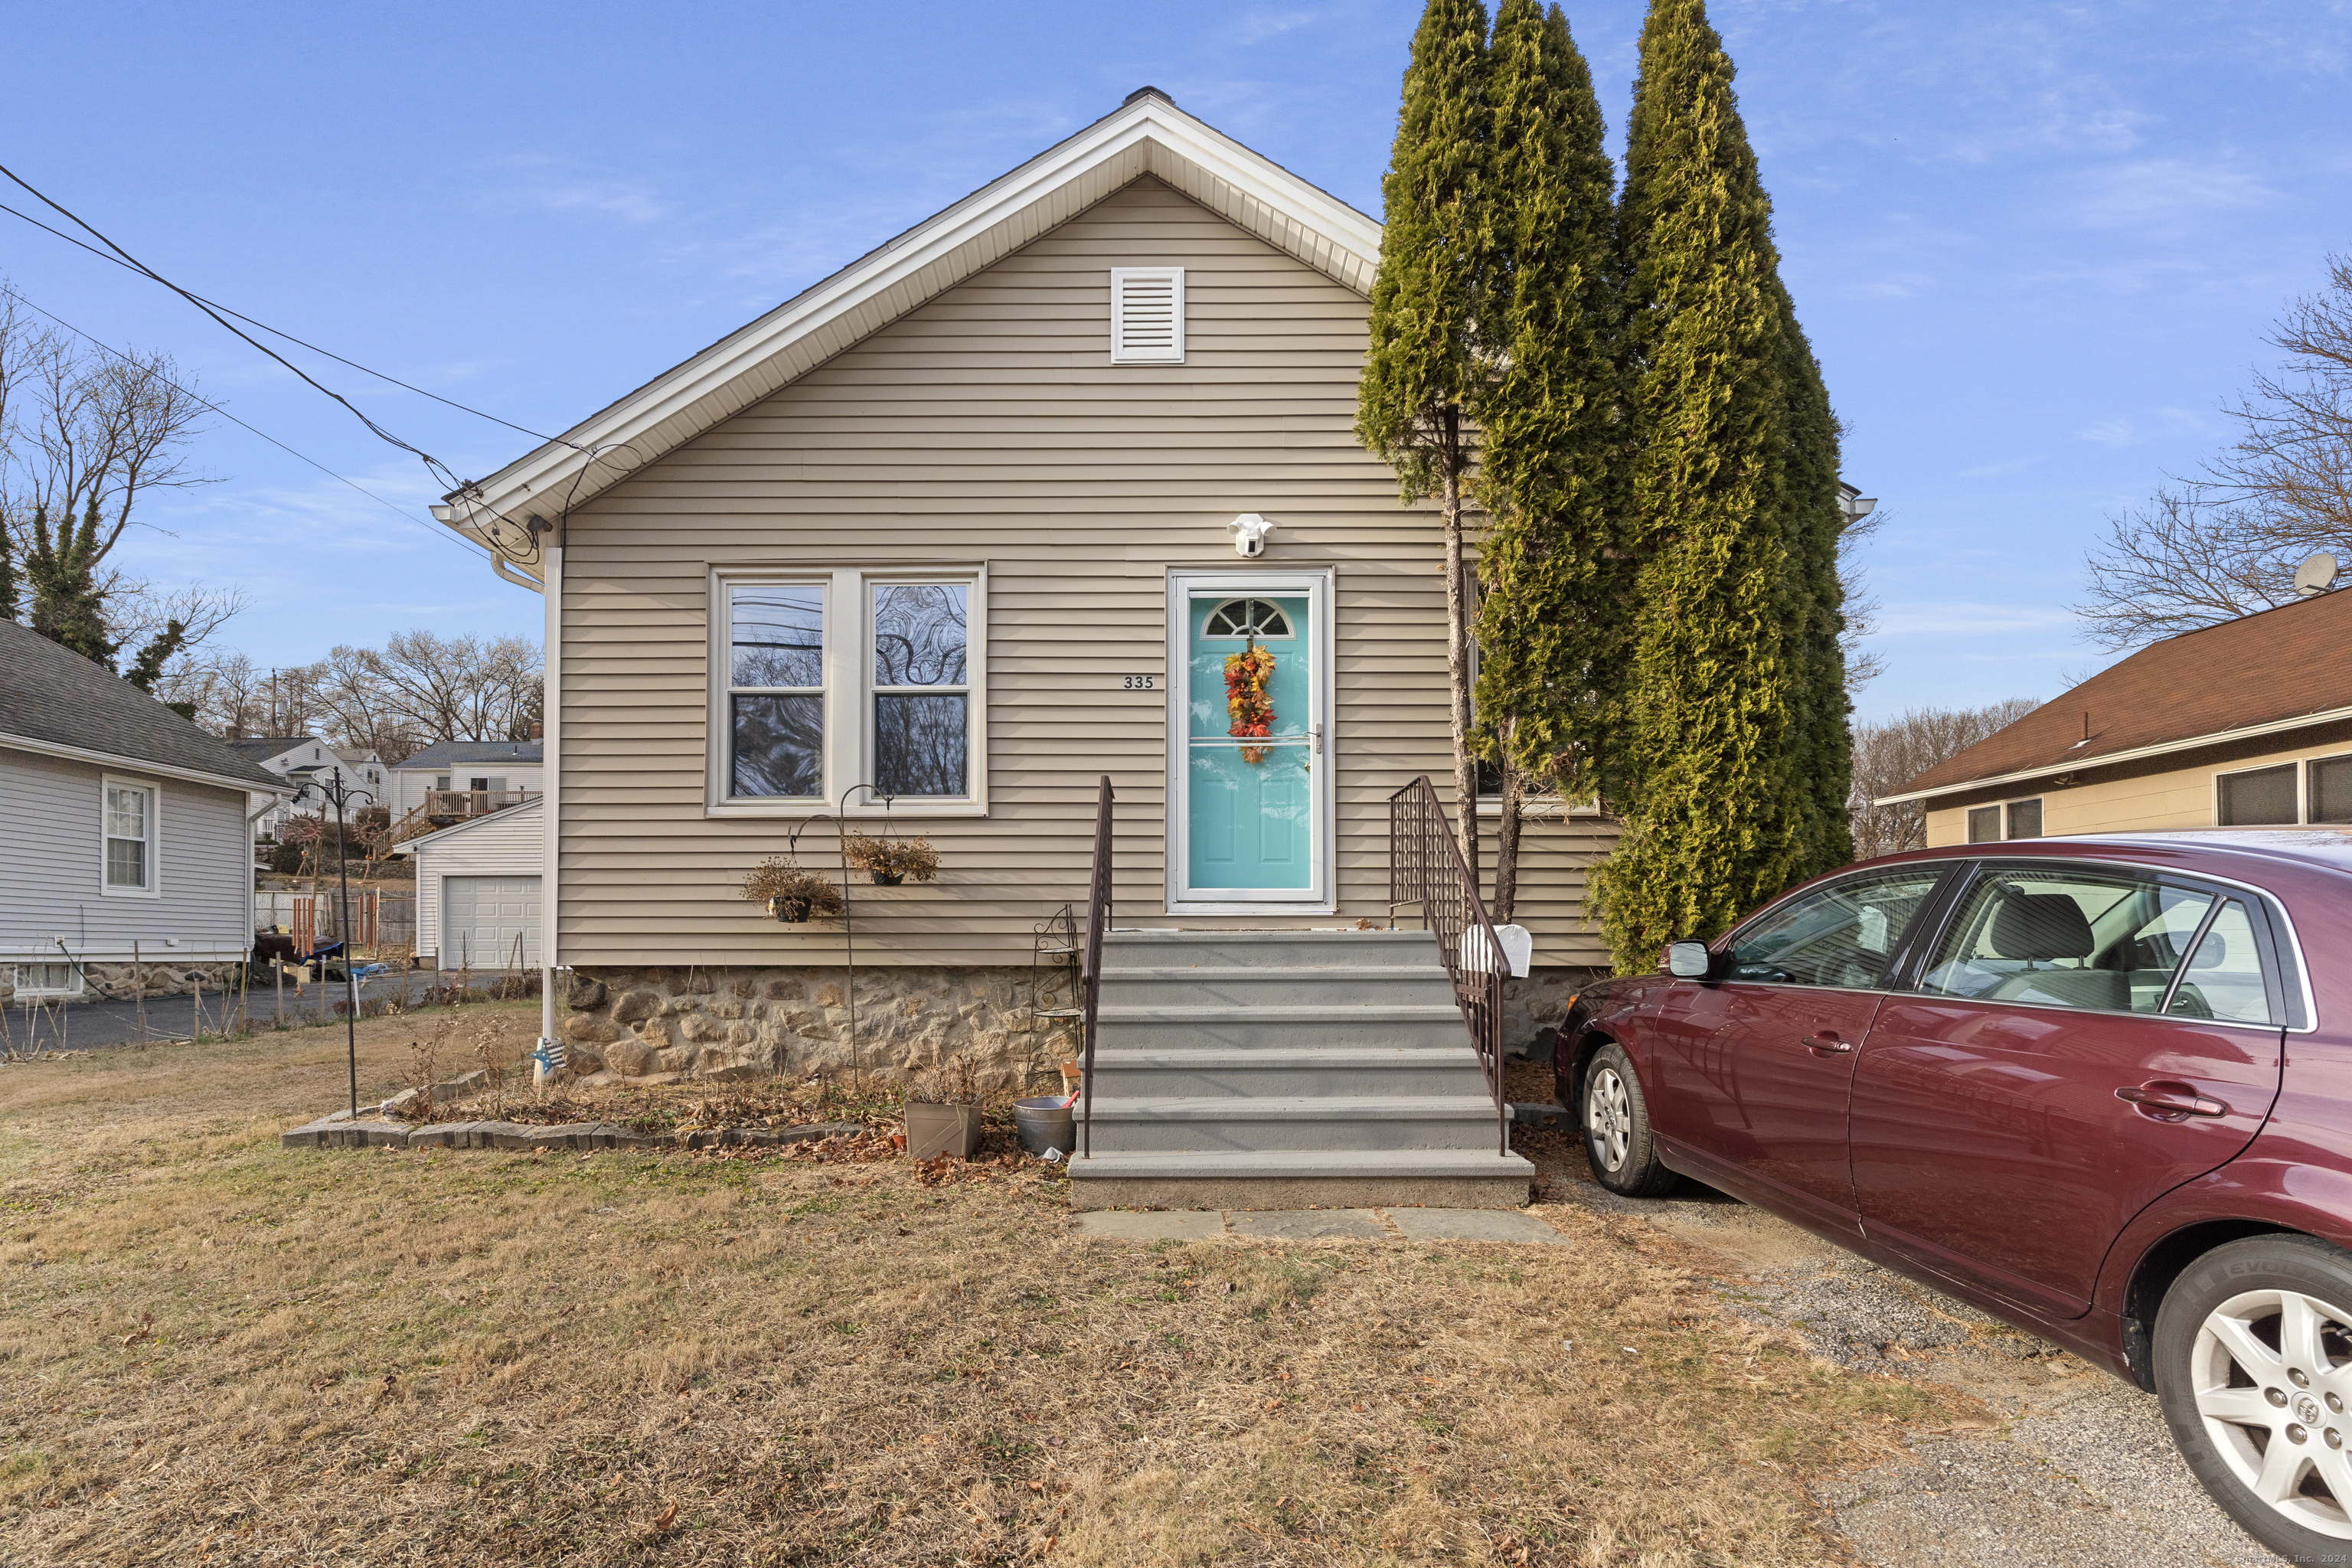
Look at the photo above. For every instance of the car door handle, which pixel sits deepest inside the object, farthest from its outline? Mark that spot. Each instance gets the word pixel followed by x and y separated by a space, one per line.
pixel 2170 1101
pixel 1826 1044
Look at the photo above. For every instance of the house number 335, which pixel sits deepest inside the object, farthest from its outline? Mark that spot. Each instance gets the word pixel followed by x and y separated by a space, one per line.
pixel 1139 683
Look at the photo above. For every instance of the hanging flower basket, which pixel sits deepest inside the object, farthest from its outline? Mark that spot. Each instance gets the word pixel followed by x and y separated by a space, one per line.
pixel 1247 674
pixel 891 861
pixel 793 893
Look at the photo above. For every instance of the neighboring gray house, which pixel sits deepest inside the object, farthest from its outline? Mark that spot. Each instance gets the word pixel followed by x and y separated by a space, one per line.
pixel 452 780
pixel 123 829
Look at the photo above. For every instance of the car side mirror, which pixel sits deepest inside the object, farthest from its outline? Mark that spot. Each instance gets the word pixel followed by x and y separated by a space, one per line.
pixel 1689 959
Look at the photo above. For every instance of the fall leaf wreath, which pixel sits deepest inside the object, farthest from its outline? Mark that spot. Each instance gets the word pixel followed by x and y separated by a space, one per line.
pixel 1246 676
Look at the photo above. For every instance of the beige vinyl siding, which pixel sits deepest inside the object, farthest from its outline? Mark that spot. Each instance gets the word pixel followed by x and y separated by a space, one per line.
pixel 989 428
pixel 2152 802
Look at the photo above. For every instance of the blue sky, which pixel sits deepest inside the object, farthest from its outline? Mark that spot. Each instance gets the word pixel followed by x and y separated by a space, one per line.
pixel 2035 244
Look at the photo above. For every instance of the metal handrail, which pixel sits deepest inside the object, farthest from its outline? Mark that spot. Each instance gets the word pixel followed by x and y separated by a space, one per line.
pixel 1098 895
pixel 1426 867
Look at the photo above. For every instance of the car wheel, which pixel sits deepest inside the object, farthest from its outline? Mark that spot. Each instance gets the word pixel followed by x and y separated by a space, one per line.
pixel 1616 1120
pixel 2253 1367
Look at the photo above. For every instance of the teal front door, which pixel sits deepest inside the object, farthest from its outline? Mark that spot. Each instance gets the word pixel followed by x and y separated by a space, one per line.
pixel 1250 721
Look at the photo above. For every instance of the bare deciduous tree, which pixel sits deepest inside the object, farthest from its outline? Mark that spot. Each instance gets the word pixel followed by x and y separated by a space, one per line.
pixel 84 436
pixel 1891 753
pixel 416 689
pixel 1862 665
pixel 2226 542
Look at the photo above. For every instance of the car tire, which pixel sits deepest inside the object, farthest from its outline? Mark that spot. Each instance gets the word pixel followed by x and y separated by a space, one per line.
pixel 2252 1356
pixel 1615 1116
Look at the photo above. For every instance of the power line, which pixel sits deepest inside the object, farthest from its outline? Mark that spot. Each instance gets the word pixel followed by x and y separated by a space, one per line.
pixel 278 333
pixel 435 529
pixel 442 473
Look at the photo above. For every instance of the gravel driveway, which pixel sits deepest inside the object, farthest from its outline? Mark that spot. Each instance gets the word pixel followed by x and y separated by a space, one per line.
pixel 2073 1469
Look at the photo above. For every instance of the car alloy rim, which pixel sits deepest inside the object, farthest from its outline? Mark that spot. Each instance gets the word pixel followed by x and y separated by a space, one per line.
pixel 1608 1118
pixel 2271 1373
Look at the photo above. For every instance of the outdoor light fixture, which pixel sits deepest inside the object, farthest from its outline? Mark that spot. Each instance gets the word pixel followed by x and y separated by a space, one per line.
pixel 1853 503
pixel 1249 531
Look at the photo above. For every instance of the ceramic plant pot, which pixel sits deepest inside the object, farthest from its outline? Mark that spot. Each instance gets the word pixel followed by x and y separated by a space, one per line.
pixel 942 1129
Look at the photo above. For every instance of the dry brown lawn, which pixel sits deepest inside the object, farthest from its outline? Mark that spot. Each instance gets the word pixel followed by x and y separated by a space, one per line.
pixel 215 1351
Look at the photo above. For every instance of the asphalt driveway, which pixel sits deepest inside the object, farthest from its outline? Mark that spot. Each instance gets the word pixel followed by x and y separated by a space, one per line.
pixel 85 1026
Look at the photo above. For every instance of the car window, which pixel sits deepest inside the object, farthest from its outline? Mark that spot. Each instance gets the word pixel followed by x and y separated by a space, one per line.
pixel 2063 937
pixel 1838 934
pixel 2224 977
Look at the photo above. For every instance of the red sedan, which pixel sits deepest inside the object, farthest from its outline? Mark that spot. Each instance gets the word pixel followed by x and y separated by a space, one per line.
pixel 2101 1088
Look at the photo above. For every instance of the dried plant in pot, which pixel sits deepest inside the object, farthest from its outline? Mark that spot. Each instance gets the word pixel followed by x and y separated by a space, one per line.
pixel 891 861
pixel 793 893
pixel 943 1111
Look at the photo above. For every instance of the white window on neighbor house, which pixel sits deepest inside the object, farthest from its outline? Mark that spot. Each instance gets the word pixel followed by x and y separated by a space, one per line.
pixel 2258 797
pixel 833 679
pixel 42 982
pixel 2009 819
pixel 128 813
pixel 1146 315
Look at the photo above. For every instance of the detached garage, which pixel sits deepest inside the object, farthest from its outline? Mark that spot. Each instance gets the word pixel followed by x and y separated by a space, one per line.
pixel 478 890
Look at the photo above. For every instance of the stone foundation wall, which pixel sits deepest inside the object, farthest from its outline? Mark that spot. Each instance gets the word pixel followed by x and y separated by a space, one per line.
pixel 152 979
pixel 700 1022
pixel 704 1022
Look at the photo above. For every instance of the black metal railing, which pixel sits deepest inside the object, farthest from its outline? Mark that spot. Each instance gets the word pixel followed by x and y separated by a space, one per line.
pixel 1426 869
pixel 1098 893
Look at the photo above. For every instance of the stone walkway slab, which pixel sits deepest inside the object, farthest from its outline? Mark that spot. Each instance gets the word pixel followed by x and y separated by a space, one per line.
pixel 1157 1224
pixel 1311 1224
pixel 1474 1225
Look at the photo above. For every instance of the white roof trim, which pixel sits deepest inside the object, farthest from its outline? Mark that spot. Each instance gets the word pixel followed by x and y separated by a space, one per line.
pixel 504 814
pixel 1146 135
pixel 141 765
pixel 2162 748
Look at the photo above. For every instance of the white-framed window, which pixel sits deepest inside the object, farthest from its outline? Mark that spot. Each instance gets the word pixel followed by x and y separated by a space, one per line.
pixel 825 679
pixel 127 829
pixel 1146 315
pixel 39 982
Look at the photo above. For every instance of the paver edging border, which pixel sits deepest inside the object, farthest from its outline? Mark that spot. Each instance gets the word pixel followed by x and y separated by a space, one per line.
pixel 339 1132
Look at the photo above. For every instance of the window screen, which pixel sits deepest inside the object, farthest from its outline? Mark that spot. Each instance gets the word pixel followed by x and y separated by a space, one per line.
pixel 2265 796
pixel 776 688
pixel 922 703
pixel 1984 824
pixel 127 812
pixel 2025 819
pixel 2331 790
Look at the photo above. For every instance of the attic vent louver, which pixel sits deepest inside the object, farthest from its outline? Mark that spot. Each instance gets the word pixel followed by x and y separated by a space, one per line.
pixel 1146 315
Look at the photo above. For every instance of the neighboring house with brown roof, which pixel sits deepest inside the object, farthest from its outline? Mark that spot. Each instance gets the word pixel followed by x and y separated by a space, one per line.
pixel 2246 724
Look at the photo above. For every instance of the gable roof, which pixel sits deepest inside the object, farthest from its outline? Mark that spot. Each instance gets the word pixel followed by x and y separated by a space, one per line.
pixel 451 753
pixel 1148 135
pixel 260 748
pixel 56 702
pixel 2278 669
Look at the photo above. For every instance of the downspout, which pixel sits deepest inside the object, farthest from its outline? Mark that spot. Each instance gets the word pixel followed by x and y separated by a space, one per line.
pixel 551 733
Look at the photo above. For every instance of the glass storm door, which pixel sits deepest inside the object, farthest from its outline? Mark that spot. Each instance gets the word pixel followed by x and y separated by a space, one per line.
pixel 1251 809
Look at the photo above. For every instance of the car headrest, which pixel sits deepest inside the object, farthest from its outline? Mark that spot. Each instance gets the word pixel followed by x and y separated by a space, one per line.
pixel 2211 953
pixel 2040 926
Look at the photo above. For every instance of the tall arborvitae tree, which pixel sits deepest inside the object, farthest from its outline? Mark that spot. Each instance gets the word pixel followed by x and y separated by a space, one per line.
pixel 1422 373
pixel 1700 767
pixel 1552 426
pixel 1820 774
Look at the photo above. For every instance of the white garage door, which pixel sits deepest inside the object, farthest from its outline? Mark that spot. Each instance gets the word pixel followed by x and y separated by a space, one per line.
pixel 482 916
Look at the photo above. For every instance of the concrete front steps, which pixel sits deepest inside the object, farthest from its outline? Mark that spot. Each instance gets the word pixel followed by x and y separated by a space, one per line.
pixel 1275 1070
